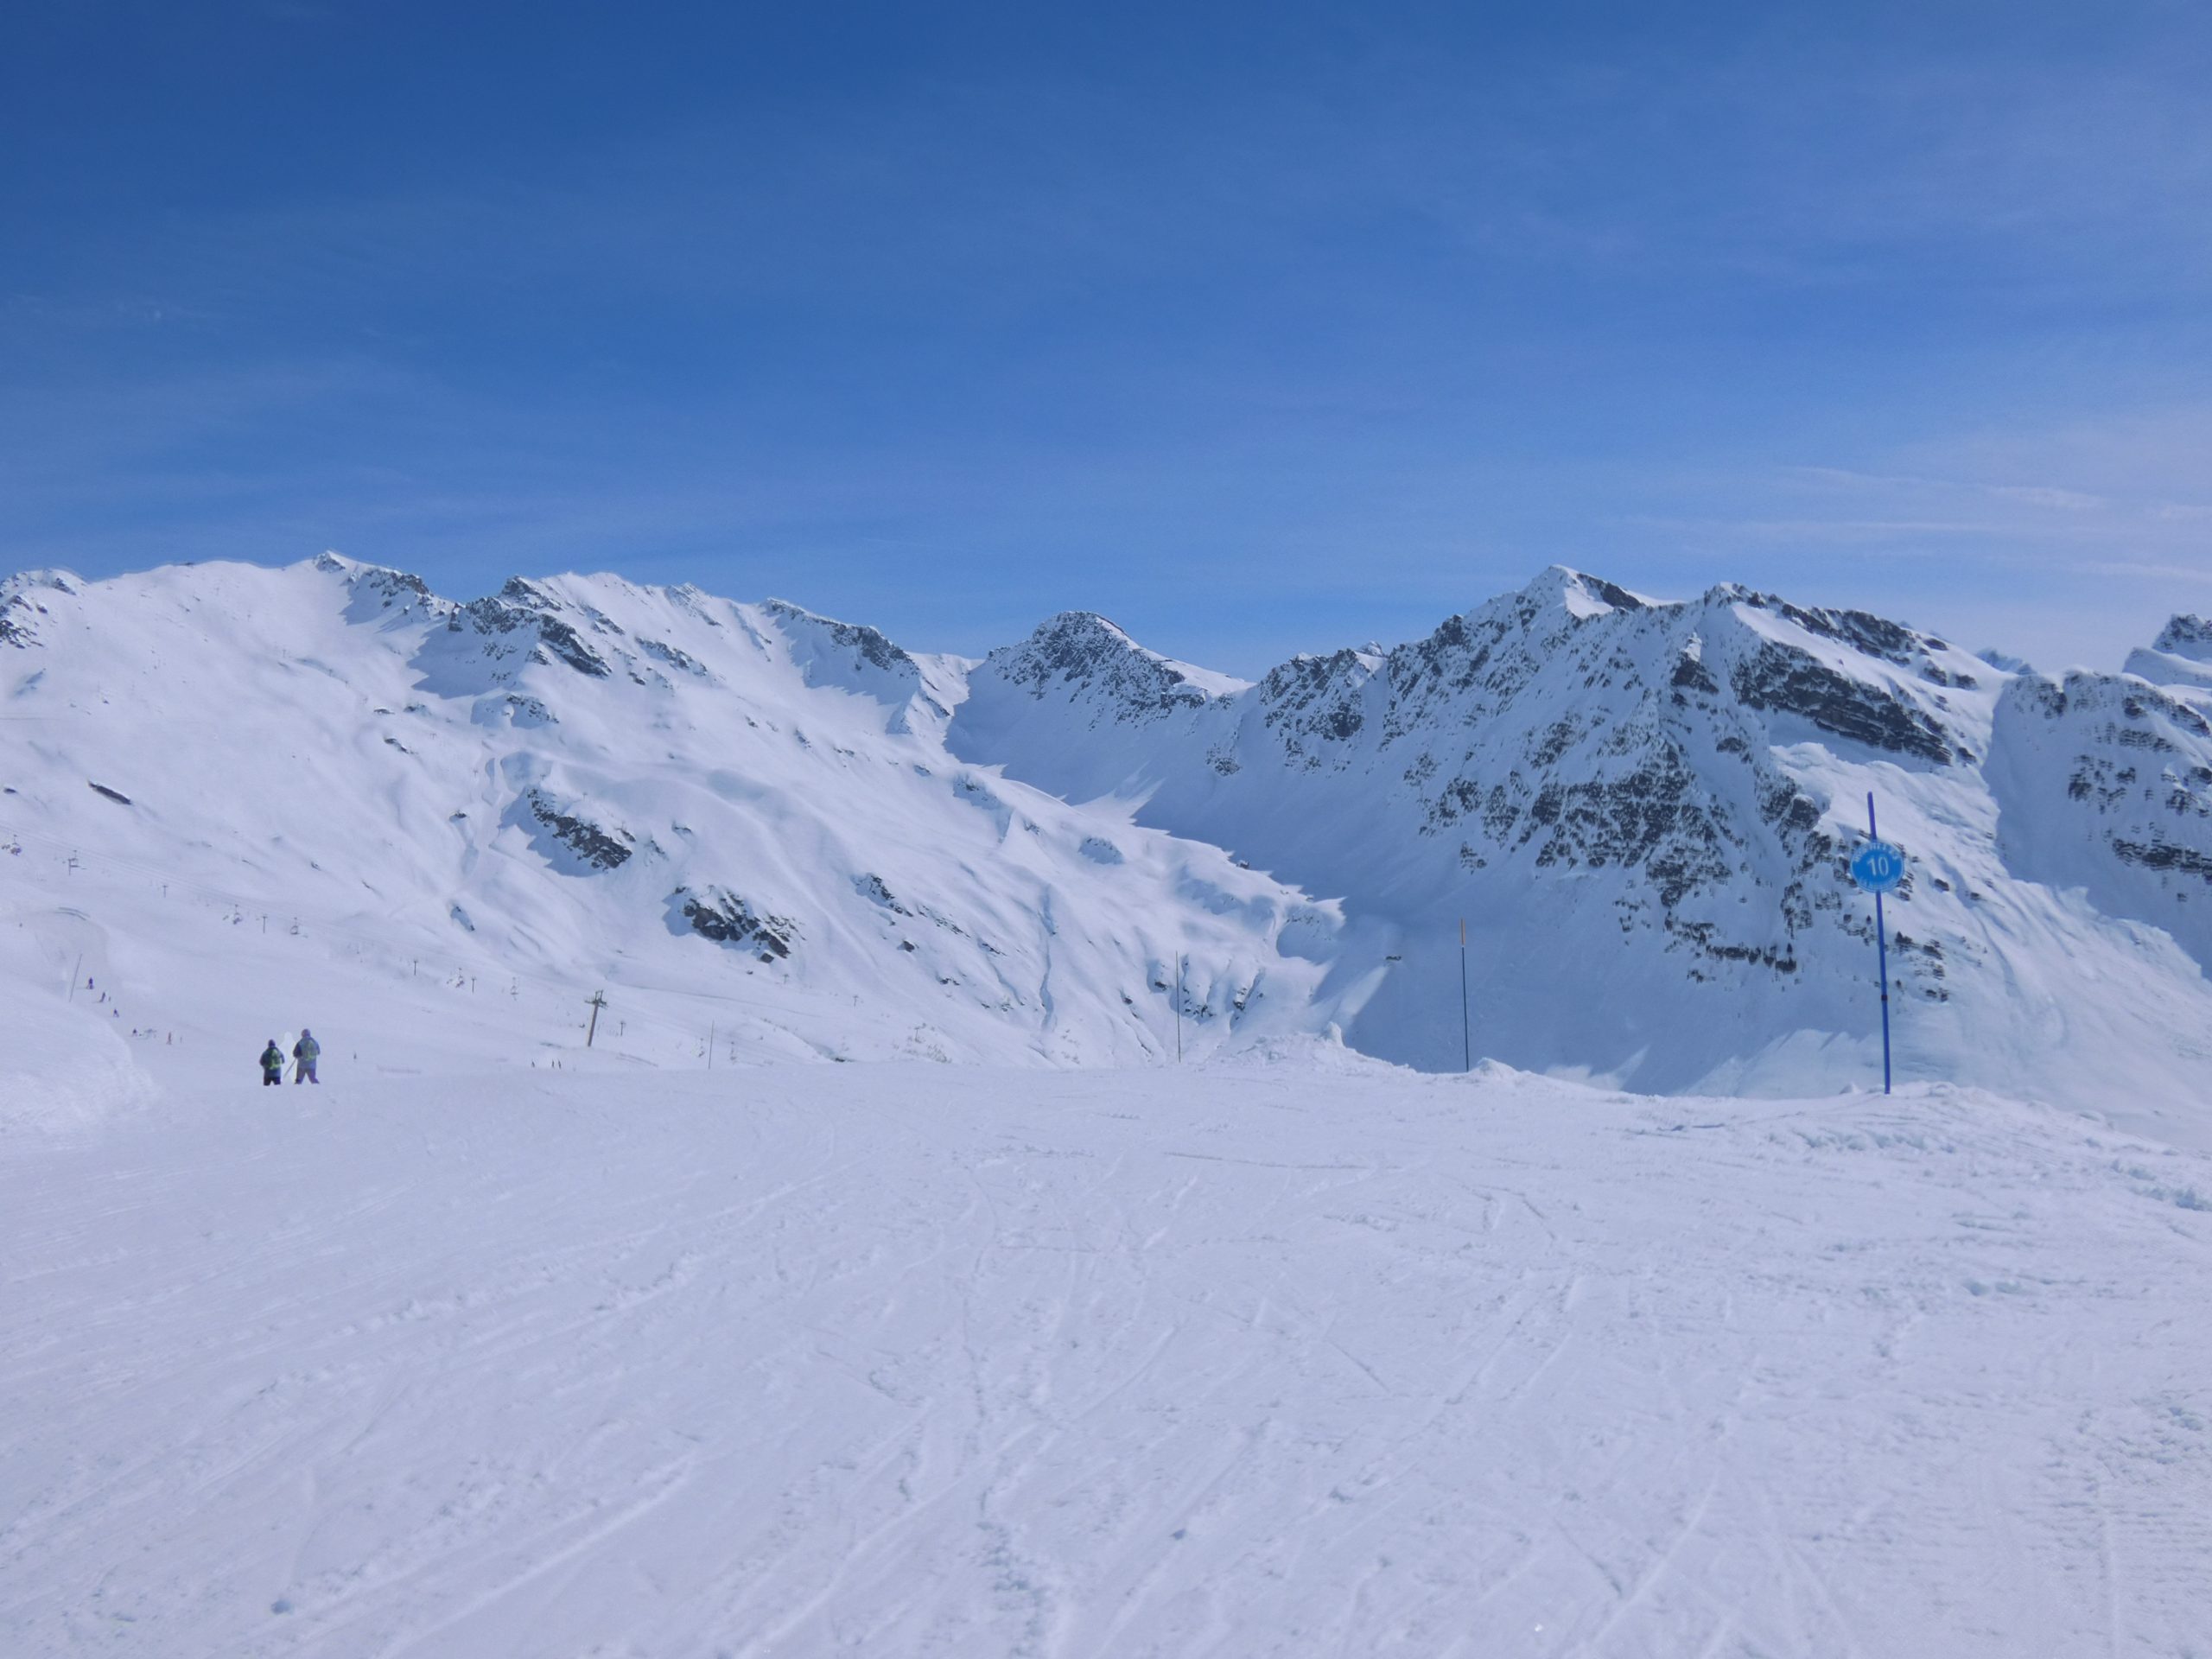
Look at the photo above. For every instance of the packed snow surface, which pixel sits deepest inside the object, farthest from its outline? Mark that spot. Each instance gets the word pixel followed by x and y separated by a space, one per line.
pixel 1298 1356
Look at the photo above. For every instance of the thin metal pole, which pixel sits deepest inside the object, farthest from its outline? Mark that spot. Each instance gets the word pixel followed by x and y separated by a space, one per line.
pixel 1466 1028
pixel 1178 1008
pixel 1881 953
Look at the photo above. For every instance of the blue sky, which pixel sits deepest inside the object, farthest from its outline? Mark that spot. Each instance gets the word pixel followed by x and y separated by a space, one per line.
pixel 1260 328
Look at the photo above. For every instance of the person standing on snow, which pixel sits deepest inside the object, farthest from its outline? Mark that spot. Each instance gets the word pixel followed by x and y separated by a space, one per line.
pixel 272 1064
pixel 305 1051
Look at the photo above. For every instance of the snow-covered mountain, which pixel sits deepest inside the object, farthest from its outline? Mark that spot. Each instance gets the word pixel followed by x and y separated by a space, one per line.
pixel 1645 810
pixel 740 819
pixel 748 818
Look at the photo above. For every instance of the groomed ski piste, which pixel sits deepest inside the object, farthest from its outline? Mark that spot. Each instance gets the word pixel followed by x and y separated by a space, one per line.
pixel 893 1301
pixel 458 1353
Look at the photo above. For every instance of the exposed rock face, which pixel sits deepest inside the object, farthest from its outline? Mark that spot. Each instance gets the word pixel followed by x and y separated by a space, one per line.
pixel 1119 678
pixel 2186 636
pixel 595 846
pixel 682 661
pixel 878 893
pixel 1778 680
pixel 1088 709
pixel 1317 701
pixel 915 693
pixel 716 913
pixel 865 644
pixel 378 592
pixel 2104 782
pixel 21 606
pixel 2181 656
pixel 523 617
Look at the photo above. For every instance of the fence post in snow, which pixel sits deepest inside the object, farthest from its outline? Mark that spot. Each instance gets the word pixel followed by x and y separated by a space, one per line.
pixel 1466 1027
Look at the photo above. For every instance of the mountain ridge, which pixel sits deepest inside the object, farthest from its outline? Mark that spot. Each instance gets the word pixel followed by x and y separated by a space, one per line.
pixel 1642 807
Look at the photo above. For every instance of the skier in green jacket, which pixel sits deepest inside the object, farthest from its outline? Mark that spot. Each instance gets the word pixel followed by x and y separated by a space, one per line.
pixel 272 1064
pixel 305 1051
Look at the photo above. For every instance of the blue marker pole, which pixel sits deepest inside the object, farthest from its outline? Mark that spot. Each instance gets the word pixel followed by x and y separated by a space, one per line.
pixel 1881 953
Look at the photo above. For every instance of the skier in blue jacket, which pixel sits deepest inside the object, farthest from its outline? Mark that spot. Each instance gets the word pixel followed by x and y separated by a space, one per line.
pixel 306 1052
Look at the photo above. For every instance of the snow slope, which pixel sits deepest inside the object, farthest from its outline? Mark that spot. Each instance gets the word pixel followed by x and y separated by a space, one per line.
pixel 63 1066
pixel 1236 1361
pixel 739 820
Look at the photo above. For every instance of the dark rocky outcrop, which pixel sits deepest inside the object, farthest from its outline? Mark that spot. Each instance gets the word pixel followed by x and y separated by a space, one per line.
pixel 21 607
pixel 716 913
pixel 523 608
pixel 588 840
pixel 1080 648
pixel 865 642
pixel 1779 680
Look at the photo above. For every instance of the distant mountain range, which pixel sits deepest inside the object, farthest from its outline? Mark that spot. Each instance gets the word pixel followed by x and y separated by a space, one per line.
pixel 1643 811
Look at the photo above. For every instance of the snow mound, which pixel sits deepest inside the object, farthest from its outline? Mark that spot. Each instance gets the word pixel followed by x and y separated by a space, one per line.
pixel 67 1059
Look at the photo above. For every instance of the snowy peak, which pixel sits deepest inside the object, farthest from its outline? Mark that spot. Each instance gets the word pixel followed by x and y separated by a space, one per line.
pixel 1083 709
pixel 1578 593
pixel 2181 655
pixel 1860 632
pixel 2187 636
pixel 1080 654
pixel 1313 703
pixel 489 642
pixel 847 656
pixel 24 600
pixel 841 652
pixel 390 598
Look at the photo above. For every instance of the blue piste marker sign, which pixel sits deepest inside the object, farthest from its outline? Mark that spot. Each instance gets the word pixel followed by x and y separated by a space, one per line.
pixel 1879 866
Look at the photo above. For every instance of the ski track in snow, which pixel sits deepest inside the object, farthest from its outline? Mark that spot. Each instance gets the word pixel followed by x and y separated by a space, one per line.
pixel 1223 1361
